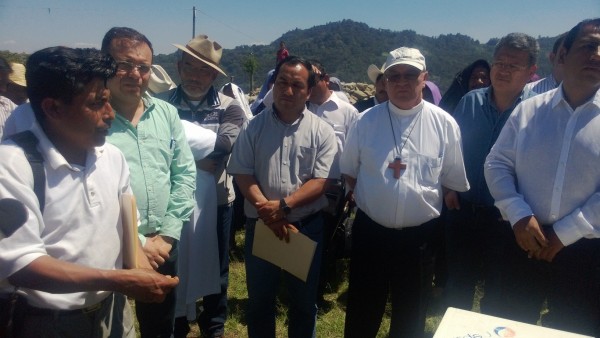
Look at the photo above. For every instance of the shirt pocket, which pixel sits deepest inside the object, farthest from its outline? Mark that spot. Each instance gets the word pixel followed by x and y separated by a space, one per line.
pixel 306 162
pixel 164 149
pixel 429 169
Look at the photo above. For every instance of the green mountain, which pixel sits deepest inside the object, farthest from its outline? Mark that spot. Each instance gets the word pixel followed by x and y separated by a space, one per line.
pixel 346 48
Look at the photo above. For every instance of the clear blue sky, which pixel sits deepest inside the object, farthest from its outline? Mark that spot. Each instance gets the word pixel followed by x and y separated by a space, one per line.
pixel 29 25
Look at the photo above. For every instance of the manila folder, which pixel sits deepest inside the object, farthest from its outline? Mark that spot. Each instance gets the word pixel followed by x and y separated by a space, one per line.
pixel 130 230
pixel 294 257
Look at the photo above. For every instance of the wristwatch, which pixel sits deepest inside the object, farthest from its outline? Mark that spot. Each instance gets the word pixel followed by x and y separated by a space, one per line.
pixel 284 207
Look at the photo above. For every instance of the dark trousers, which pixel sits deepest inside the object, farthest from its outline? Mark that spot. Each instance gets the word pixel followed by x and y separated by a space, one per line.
pixel 388 261
pixel 157 319
pixel 481 247
pixel 263 280
pixel 574 289
pixel 214 314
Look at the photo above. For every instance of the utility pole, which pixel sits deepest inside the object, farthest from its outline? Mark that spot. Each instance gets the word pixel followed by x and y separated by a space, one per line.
pixel 194 22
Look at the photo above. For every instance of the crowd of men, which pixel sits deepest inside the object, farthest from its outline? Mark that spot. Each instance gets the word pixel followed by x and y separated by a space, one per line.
pixel 502 190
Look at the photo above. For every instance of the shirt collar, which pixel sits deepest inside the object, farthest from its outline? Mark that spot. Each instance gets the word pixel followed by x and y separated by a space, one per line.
pixel 402 112
pixel 560 97
pixel 211 99
pixel 276 117
pixel 51 155
pixel 525 93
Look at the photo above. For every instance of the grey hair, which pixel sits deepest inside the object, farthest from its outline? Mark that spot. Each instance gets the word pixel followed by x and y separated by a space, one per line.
pixel 521 42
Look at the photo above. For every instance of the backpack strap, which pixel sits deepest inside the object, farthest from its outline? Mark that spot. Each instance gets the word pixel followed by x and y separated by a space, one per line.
pixel 28 141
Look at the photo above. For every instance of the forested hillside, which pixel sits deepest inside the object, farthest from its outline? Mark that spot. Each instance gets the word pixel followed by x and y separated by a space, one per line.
pixel 346 48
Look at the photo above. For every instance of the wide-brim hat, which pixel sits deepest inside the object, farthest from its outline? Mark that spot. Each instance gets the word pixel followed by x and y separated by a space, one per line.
pixel 160 81
pixel 374 72
pixel 205 50
pixel 405 56
pixel 18 74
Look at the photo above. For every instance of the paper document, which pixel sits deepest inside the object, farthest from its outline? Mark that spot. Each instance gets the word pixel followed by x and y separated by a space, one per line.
pixel 294 257
pixel 130 230
pixel 462 323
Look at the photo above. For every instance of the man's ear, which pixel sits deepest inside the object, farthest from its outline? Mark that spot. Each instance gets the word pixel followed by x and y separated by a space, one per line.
pixel 51 108
pixel 551 57
pixel 562 52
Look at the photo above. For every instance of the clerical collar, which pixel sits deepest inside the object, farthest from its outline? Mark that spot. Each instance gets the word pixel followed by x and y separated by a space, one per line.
pixel 402 112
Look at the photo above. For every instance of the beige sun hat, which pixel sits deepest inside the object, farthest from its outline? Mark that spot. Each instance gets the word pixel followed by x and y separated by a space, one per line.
pixel 18 74
pixel 160 81
pixel 373 72
pixel 205 50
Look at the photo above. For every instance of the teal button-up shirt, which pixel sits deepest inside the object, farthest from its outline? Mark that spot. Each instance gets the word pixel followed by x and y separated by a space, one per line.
pixel 163 171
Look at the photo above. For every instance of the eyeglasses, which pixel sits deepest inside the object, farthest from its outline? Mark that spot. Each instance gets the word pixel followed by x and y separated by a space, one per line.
pixel 397 78
pixel 128 67
pixel 509 67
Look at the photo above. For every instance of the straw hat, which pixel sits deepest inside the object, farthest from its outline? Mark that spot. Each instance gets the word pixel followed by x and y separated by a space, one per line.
pixel 18 74
pixel 205 50
pixel 373 72
pixel 160 81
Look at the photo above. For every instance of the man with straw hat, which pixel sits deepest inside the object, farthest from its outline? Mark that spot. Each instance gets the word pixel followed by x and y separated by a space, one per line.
pixel 198 101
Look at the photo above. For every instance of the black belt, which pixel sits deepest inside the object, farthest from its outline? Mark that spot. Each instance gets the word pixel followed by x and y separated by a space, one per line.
pixel 478 209
pixel 300 223
pixel 36 311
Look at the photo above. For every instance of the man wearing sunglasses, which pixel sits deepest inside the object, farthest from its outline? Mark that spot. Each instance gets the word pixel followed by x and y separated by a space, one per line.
pixel 163 173
pixel 403 158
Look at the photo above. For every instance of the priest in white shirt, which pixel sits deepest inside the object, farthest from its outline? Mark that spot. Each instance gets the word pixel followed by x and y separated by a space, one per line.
pixel 403 159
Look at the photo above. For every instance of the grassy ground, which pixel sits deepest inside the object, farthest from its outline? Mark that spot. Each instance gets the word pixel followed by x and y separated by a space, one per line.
pixel 330 321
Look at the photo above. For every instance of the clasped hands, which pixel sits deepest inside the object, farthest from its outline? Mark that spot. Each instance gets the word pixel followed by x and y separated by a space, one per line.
pixel 275 219
pixel 157 250
pixel 533 240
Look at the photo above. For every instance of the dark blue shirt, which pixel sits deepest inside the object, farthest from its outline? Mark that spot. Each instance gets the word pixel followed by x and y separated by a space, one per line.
pixel 480 124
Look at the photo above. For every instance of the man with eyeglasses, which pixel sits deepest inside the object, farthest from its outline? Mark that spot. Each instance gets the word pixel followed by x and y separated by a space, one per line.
pixel 479 242
pixel 403 158
pixel 163 173
pixel 198 101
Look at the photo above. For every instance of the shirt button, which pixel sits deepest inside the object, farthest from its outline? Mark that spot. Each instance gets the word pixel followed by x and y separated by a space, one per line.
pixel 283 181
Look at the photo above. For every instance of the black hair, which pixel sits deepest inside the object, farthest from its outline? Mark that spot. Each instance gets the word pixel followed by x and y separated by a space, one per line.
pixel 559 41
pixel 296 60
pixel 123 33
pixel 5 66
pixel 62 73
pixel 317 64
pixel 574 32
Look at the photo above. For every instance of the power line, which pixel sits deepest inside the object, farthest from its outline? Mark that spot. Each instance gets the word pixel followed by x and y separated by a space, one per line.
pixel 228 26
